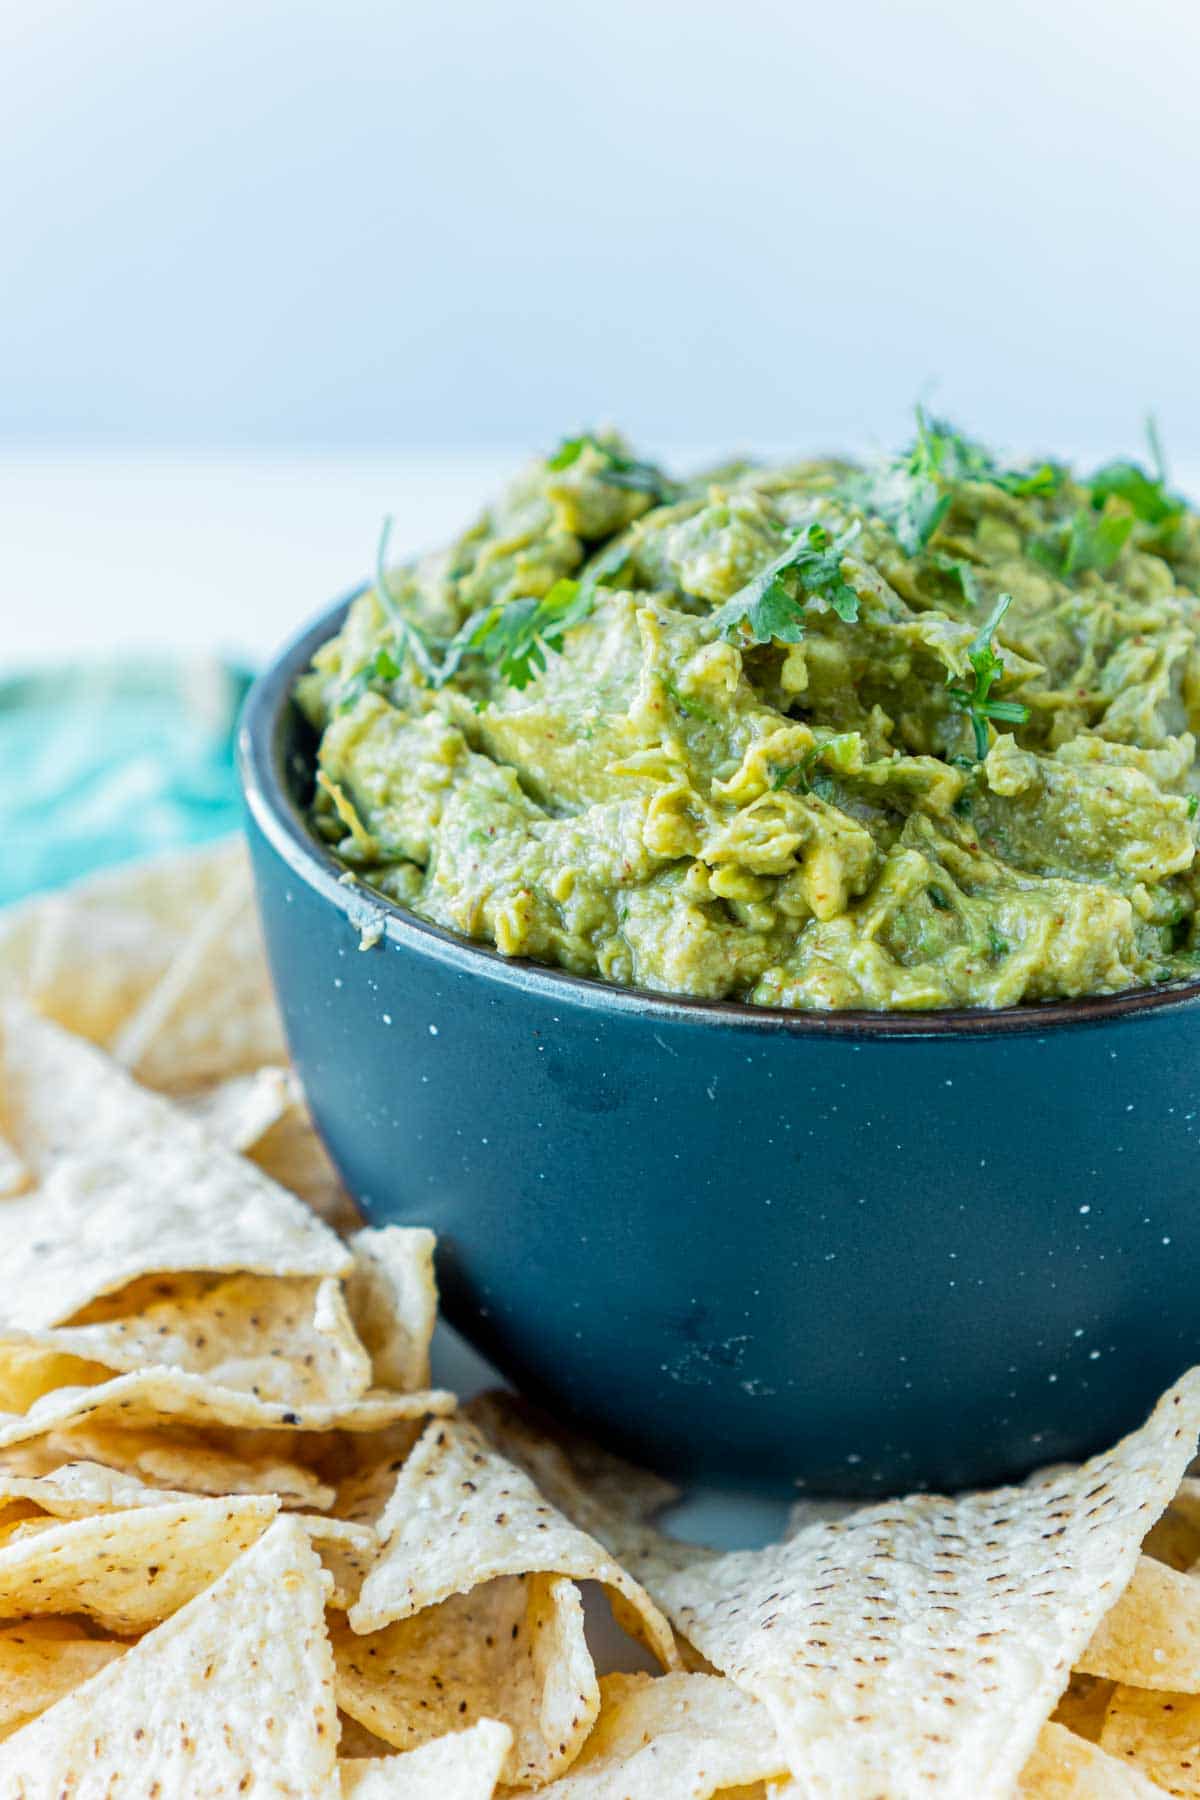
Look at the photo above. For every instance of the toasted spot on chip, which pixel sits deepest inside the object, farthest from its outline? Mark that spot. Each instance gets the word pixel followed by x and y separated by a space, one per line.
pixel 460 1514
pixel 127 1186
pixel 1065 1767
pixel 131 1568
pixel 41 1660
pixel 393 1299
pixel 462 1766
pixel 238 1683
pixel 1083 1704
pixel 925 1641
pixel 512 1649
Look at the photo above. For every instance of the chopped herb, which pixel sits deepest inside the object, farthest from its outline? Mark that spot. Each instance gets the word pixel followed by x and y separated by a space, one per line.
pixel 1193 805
pixel 796 774
pixel 620 470
pixel 997 945
pixel 938 898
pixel 961 572
pixel 987 666
pixel 517 634
pixel 1089 541
pixel 407 635
pixel 771 606
pixel 380 667
pixel 1144 494
pixel 686 704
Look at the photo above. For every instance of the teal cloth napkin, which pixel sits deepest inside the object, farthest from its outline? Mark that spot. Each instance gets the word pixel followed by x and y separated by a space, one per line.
pixel 108 761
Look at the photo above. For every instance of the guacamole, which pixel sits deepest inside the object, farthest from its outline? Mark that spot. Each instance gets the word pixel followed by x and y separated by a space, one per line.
pixel 914 734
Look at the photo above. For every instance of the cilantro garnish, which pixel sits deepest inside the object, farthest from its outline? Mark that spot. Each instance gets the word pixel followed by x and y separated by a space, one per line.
pixel 408 636
pixel 987 666
pixel 1193 805
pixel 380 667
pixel 771 606
pixel 516 635
pixel 1145 495
pixel 620 470
pixel 1090 540
pixel 912 494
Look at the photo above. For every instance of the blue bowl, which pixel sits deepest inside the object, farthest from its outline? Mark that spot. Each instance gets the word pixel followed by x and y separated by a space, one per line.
pixel 857 1253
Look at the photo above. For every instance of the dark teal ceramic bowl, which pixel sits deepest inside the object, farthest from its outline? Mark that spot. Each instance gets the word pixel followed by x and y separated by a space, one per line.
pixel 861 1253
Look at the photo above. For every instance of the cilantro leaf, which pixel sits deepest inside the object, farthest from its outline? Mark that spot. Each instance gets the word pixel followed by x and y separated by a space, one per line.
pixel 987 667
pixel 516 635
pixel 771 605
pixel 620 470
pixel 382 666
pixel 408 636
pixel 1145 495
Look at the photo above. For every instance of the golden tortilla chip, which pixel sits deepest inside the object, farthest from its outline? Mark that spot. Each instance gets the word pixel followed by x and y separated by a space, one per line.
pixel 1065 1767
pixel 194 1462
pixel 233 1695
pixel 687 1736
pixel 462 1766
pixel 924 1642
pixel 392 1297
pixel 88 956
pixel 347 1552
pixel 1151 1636
pixel 1175 1538
pixel 132 1568
pixel 512 1649
pixel 1158 1735
pixel 286 1338
pixel 1083 1704
pixel 460 1515
pixel 128 1186
pixel 59 1393
pixel 212 1013
pixel 80 1490
pixel 41 1660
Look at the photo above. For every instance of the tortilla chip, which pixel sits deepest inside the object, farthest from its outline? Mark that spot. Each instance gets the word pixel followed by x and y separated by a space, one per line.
pixel 212 1013
pixel 1158 1735
pixel 1151 1637
pixel 195 1462
pixel 80 1490
pixel 604 1495
pixel 233 1695
pixel 1175 1538
pixel 287 1339
pixel 1065 1767
pixel 15 1176
pixel 460 1515
pixel 689 1736
pixel 512 1649
pixel 43 1660
pixel 347 1552
pixel 241 1109
pixel 60 1393
pixel 87 957
pixel 129 1569
pixel 292 1154
pixel 1083 1704
pixel 924 1642
pixel 463 1766
pixel 364 1489
pixel 392 1297
pixel 129 1186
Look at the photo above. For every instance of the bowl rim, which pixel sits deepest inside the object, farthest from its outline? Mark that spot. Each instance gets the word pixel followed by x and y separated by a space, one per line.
pixel 260 747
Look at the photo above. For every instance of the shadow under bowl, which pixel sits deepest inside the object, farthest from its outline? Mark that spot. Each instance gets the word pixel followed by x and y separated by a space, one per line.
pixel 845 1253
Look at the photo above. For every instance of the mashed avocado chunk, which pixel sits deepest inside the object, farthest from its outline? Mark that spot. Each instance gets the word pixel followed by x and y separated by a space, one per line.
pixel 817 736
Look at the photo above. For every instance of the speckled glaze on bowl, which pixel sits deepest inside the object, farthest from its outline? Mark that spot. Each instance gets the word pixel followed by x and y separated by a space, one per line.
pixel 861 1253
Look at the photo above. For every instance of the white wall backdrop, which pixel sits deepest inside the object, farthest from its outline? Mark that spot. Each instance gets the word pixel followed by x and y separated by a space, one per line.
pixel 300 224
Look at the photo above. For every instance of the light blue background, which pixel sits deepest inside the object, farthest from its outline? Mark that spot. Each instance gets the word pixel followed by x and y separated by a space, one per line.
pixel 244 223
